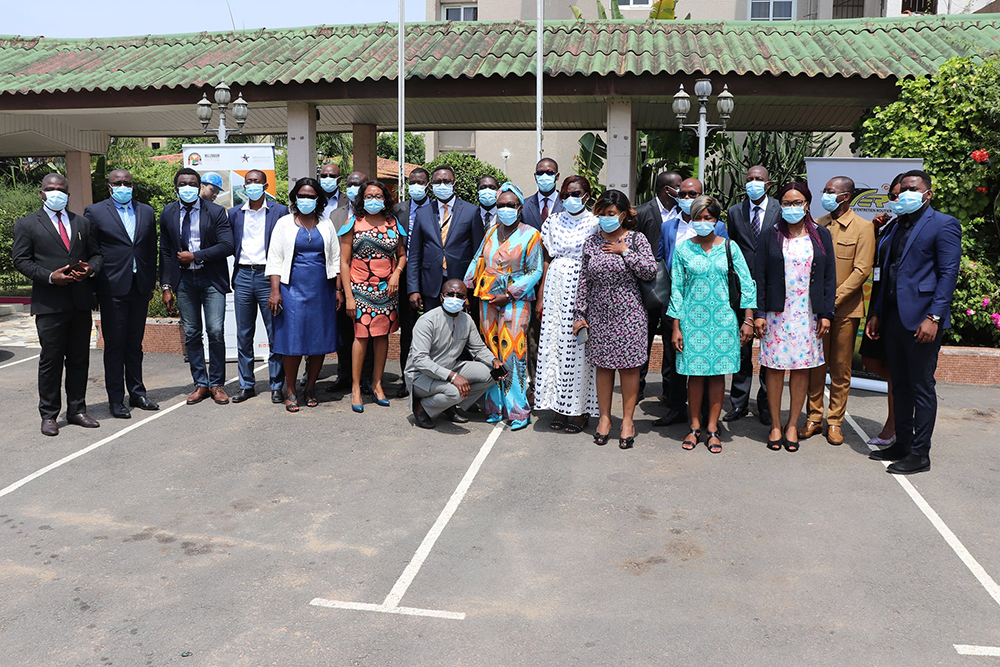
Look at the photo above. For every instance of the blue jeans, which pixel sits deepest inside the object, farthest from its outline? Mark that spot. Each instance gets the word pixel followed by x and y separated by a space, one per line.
pixel 251 288
pixel 195 293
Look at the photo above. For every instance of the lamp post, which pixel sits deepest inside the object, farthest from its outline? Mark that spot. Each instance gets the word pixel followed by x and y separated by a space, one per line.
pixel 682 104
pixel 222 98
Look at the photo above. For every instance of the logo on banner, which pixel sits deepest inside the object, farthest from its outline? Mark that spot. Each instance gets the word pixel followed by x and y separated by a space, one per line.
pixel 870 200
pixel 194 159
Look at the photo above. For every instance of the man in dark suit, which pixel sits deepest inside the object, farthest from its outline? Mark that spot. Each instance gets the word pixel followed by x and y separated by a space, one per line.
pixel 922 259
pixel 329 180
pixel 406 213
pixel 746 220
pixel 545 202
pixel 446 236
pixel 252 224
pixel 125 230
pixel 487 189
pixel 195 240
pixel 57 252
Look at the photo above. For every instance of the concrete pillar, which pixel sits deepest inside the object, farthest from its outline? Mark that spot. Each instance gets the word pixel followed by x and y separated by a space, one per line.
pixel 621 146
pixel 365 155
pixel 81 194
pixel 301 141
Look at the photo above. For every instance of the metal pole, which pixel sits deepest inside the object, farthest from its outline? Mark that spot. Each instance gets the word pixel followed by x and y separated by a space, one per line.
pixel 539 72
pixel 222 124
pixel 702 134
pixel 401 102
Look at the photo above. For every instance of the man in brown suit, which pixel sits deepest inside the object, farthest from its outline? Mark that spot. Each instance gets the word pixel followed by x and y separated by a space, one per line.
pixel 854 245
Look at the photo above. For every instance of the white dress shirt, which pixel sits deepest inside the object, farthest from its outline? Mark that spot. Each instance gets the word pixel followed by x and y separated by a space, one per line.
pixel 55 221
pixel 252 249
pixel 549 199
pixel 492 213
pixel 451 209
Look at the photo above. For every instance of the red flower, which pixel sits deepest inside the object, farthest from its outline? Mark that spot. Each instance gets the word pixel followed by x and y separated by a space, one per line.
pixel 982 189
pixel 980 156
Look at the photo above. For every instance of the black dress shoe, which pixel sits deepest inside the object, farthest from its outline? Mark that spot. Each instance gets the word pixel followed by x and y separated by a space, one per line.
pixel 765 417
pixel 119 411
pixel 910 465
pixel 456 415
pixel 342 384
pixel 402 392
pixel 83 419
pixel 735 414
pixel 243 394
pixel 277 396
pixel 420 417
pixel 143 403
pixel 49 427
pixel 672 417
pixel 366 388
pixel 892 453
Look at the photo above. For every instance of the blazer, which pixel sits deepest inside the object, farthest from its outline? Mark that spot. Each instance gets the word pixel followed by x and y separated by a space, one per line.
pixel 425 255
pixel 668 239
pixel 237 216
pixel 281 251
pixel 650 222
pixel 119 251
pixel 216 244
pixel 37 251
pixel 741 231
pixel 770 273
pixel 928 269
pixel 854 246
pixel 530 213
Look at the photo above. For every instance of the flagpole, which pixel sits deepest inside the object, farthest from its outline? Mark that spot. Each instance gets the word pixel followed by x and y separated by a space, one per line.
pixel 539 72
pixel 401 102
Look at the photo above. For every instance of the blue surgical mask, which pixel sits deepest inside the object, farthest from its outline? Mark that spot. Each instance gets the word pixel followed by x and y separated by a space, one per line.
pixel 254 190
pixel 121 194
pixel 755 189
pixel 417 191
pixel 56 199
pixel 829 201
pixel 573 204
pixel 305 206
pixel 507 216
pixel 685 205
pixel 452 304
pixel 911 201
pixel 609 223
pixel 546 182
pixel 703 227
pixel 896 207
pixel 487 197
pixel 443 191
pixel 374 205
pixel 793 214
pixel 187 193
pixel 352 191
pixel 328 183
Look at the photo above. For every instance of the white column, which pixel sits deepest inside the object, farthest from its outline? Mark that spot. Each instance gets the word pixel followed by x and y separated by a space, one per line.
pixel 365 145
pixel 301 141
pixel 81 194
pixel 621 146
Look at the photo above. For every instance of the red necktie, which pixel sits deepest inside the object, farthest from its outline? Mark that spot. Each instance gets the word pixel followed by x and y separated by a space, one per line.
pixel 62 230
pixel 545 210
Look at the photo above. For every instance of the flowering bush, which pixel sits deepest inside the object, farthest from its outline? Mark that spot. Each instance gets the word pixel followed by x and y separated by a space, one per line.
pixel 975 312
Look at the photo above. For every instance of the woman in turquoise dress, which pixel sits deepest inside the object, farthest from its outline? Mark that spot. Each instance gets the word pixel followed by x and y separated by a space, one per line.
pixel 707 335
pixel 504 274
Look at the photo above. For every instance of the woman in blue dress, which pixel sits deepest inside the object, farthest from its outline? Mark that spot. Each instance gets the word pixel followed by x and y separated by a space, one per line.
pixel 303 263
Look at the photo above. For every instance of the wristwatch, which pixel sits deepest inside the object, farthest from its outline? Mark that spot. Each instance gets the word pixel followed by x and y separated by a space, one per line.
pixel 166 288
pixel 936 319
pixel 626 251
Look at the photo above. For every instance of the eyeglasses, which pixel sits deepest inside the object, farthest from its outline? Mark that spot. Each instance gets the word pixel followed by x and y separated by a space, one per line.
pixel 508 205
pixel 127 184
pixel 790 204
pixel 367 197
pixel 575 193
pixel 455 294
pixel 688 194
pixel 545 172
pixel 305 197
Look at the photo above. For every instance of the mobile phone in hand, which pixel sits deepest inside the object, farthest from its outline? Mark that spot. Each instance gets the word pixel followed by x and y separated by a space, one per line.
pixel 582 336
pixel 499 373
pixel 75 267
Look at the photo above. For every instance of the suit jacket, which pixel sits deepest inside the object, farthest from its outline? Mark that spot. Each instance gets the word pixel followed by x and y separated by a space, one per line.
pixel 928 269
pixel 741 231
pixel 532 216
pixel 854 246
pixel 425 254
pixel 668 240
pixel 38 250
pixel 236 218
pixel 119 251
pixel 216 244
pixel 770 273
pixel 650 222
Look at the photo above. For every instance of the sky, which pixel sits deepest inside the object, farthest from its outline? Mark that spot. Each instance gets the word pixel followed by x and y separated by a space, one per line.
pixel 75 19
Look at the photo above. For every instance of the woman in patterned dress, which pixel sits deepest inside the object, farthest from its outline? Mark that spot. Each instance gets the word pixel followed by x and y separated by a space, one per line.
pixel 564 382
pixel 795 304
pixel 373 254
pixel 609 305
pixel 504 273
pixel 706 333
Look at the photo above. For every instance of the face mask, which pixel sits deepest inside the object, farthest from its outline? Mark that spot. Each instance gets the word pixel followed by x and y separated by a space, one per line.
pixel 254 190
pixel 573 204
pixel 374 205
pixel 911 201
pixel 507 216
pixel 56 199
pixel 793 214
pixel 487 197
pixel 452 304
pixel 755 189
pixel 703 227
pixel 352 191
pixel 187 193
pixel 546 182
pixel 609 223
pixel 829 201
pixel 305 206
pixel 685 205
pixel 328 183
pixel 121 194
pixel 896 208
pixel 443 191
pixel 417 191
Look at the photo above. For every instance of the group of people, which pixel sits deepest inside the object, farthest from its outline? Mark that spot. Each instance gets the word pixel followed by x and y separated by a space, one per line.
pixel 528 303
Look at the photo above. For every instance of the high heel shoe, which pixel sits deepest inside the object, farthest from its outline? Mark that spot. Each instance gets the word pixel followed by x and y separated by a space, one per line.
pixel 358 408
pixel 384 402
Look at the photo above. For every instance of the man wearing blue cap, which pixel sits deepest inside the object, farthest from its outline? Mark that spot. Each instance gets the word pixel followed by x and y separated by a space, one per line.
pixel 211 186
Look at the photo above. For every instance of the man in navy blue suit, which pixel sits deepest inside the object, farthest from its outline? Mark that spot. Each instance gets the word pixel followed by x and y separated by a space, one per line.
pixel 125 230
pixel 922 258
pixel 195 240
pixel 252 224
pixel 446 235
pixel 546 201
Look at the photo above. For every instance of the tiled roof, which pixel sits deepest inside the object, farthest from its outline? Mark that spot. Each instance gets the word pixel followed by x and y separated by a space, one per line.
pixel 863 47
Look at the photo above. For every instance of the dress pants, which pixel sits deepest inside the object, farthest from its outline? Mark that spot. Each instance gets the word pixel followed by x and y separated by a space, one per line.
pixel 407 318
pixel 838 350
pixel 675 384
pixel 739 390
pixel 912 366
pixel 655 325
pixel 195 295
pixel 251 289
pixel 444 395
pixel 534 334
pixel 123 324
pixel 65 341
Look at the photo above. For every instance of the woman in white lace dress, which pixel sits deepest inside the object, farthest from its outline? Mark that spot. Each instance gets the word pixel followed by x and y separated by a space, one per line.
pixel 564 382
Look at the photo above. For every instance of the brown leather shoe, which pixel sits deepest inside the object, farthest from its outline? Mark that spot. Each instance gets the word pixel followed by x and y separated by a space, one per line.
pixel 834 435
pixel 198 395
pixel 219 396
pixel 810 429
pixel 83 419
pixel 49 427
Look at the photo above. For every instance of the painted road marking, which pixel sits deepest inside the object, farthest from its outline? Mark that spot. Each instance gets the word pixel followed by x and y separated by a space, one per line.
pixel 19 361
pixel 966 649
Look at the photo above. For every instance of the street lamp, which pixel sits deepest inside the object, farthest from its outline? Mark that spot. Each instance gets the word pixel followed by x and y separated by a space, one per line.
pixel 222 98
pixel 682 104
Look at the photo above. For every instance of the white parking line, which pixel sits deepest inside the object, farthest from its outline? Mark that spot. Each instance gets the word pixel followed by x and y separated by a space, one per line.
pixel 19 361
pixel 966 649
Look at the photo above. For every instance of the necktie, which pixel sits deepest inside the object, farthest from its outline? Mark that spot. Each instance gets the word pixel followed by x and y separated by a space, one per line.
pixel 63 234
pixel 186 229
pixel 545 209
pixel 489 222
pixel 756 221
pixel 444 232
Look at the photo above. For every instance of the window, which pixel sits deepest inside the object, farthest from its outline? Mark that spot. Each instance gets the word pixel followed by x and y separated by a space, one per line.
pixel 634 4
pixel 848 9
pixel 154 145
pixel 772 10
pixel 919 6
pixel 460 12
pixel 460 141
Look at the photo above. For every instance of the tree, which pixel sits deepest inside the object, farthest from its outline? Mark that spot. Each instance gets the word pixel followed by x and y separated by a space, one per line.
pixel 413 147
pixel 467 172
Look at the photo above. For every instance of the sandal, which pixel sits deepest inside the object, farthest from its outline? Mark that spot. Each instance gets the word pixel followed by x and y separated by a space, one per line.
pixel 774 445
pixel 626 443
pixel 716 448
pixel 789 445
pixel 601 439
pixel 311 400
pixel 576 427
pixel 292 402
pixel 687 444
pixel 557 423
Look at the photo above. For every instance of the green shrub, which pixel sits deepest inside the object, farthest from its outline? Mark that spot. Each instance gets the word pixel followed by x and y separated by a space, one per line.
pixel 467 172
pixel 16 201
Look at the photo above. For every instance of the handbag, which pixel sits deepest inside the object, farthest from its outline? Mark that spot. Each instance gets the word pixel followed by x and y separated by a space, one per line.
pixel 647 289
pixel 735 289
